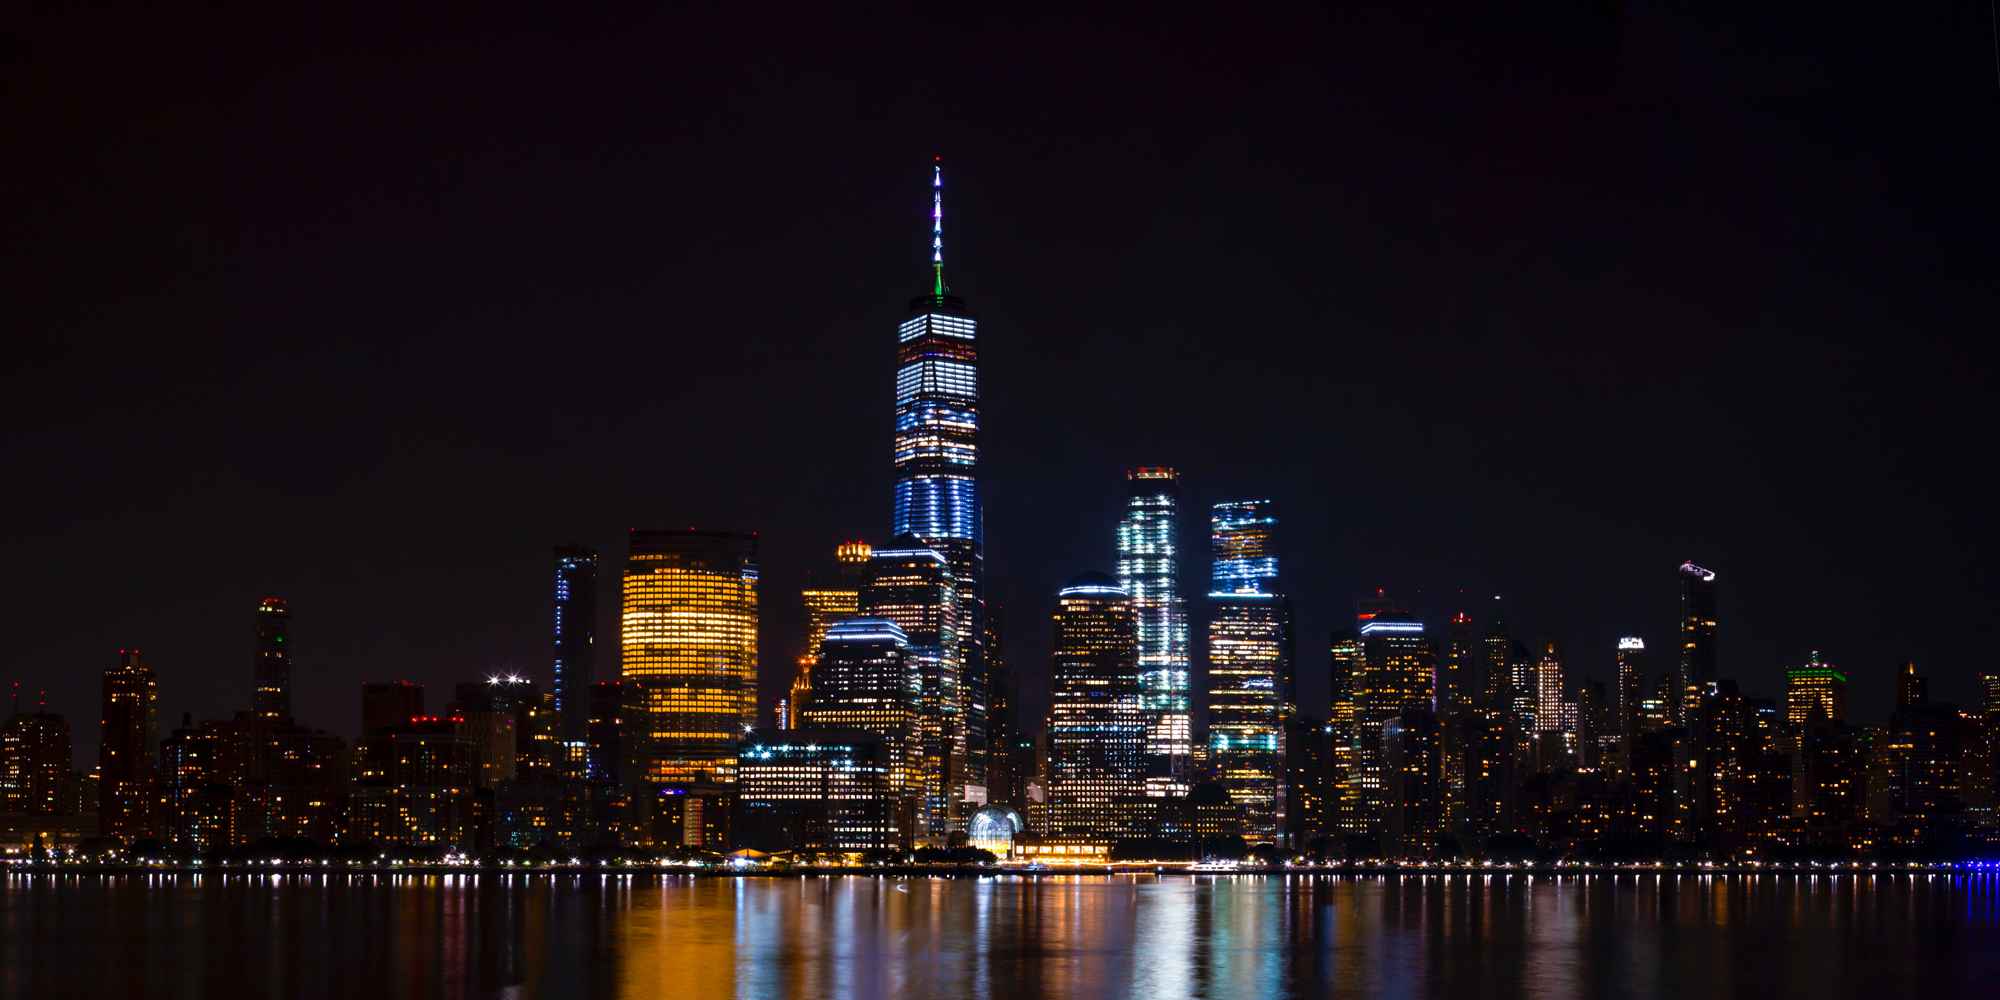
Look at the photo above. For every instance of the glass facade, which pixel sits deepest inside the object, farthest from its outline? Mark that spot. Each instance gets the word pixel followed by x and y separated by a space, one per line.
pixel 1249 663
pixel 1097 731
pixel 826 601
pixel 866 680
pixel 913 587
pixel 936 457
pixel 1148 570
pixel 688 642
pixel 817 791
pixel 1397 668
pixel 1245 551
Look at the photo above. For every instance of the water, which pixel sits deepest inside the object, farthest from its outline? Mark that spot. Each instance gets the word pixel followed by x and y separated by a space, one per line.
pixel 1229 936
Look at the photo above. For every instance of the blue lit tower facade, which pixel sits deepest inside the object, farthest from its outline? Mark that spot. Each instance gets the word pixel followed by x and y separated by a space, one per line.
pixel 1149 571
pixel 575 629
pixel 937 488
pixel 1249 663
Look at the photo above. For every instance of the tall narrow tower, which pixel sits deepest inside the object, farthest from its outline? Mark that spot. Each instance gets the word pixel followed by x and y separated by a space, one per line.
pixel 574 628
pixel 1698 628
pixel 1250 693
pixel 937 484
pixel 273 670
pixel 128 749
pixel 1149 571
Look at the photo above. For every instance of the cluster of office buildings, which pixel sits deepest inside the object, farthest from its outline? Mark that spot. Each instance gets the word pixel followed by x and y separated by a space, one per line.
pixel 899 728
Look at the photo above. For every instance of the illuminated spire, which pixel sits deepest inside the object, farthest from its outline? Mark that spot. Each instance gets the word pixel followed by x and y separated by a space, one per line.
pixel 937 226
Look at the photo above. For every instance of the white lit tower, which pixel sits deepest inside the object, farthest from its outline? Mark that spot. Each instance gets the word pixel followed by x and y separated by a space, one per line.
pixel 1149 570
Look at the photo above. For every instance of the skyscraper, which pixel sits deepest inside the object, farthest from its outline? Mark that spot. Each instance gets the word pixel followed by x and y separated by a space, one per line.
pixel 1698 629
pixel 1815 686
pixel 912 585
pixel 1395 679
pixel 1455 680
pixel 1631 686
pixel 1348 660
pixel 1097 731
pixel 574 629
pixel 34 763
pixel 1411 796
pixel 1250 690
pixel 272 699
pixel 129 738
pixel 866 680
pixel 1912 688
pixel 937 478
pixel 688 642
pixel 1549 691
pixel 826 600
pixel 1149 570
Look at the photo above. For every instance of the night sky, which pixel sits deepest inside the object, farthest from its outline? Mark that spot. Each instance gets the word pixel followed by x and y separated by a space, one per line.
pixel 371 311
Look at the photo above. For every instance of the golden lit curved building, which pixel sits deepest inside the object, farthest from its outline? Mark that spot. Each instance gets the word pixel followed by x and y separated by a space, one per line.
pixel 688 640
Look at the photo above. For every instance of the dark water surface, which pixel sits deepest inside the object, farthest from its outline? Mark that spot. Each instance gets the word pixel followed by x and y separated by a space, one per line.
pixel 1170 937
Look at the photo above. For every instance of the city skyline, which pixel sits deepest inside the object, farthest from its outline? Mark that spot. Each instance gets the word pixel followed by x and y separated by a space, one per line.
pixel 1428 746
pixel 1500 373
pixel 937 504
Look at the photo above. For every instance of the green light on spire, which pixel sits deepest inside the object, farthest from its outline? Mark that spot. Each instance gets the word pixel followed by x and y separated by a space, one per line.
pixel 937 227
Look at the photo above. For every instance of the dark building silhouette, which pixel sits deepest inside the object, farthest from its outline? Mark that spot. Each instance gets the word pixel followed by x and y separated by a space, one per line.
pixel 389 705
pixel 34 764
pixel 271 700
pixel 126 761
pixel 573 627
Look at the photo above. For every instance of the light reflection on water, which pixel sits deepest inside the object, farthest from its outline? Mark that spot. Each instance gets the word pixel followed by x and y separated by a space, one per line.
pixel 591 935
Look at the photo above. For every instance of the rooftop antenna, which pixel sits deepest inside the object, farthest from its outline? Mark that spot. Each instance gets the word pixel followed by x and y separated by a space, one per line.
pixel 937 227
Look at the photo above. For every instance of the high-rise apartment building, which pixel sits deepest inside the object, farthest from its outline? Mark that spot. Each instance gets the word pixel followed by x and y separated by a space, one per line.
pixel 34 763
pixel 1149 570
pixel 129 738
pixel 272 699
pixel 1698 634
pixel 1458 668
pixel 1631 680
pixel 1347 659
pixel 1550 691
